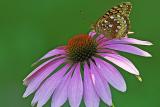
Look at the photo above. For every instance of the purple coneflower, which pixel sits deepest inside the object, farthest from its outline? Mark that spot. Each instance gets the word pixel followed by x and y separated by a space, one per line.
pixel 82 70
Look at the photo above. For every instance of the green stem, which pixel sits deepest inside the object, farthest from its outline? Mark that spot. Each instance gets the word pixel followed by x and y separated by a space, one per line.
pixel 113 105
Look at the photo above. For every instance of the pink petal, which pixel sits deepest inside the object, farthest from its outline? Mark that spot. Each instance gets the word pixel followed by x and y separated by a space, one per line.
pixel 106 51
pixel 111 74
pixel 47 88
pixel 128 41
pixel 90 97
pixel 101 86
pixel 102 43
pixel 35 72
pixel 54 52
pixel 92 34
pixel 75 89
pixel 129 49
pixel 40 74
pixel 60 94
pixel 101 38
pixel 121 62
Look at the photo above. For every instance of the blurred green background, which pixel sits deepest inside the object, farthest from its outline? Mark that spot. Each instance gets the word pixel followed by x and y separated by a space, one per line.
pixel 30 28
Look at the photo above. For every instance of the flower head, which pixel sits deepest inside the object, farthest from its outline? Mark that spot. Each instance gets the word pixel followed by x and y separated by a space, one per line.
pixel 81 48
pixel 81 70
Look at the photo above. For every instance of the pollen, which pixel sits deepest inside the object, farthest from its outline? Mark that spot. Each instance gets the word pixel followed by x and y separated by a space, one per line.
pixel 81 48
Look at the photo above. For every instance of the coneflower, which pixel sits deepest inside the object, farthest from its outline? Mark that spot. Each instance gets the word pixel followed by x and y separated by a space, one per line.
pixel 85 71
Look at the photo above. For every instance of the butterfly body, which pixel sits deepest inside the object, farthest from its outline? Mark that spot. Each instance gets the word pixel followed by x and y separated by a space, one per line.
pixel 115 23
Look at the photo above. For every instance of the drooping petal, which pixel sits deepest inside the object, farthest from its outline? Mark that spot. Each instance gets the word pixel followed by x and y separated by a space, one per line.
pixel 75 89
pixel 54 52
pixel 40 74
pixel 60 95
pixel 29 77
pixel 128 41
pixel 122 62
pixel 111 74
pixel 47 88
pixel 36 71
pixel 129 49
pixel 101 86
pixel 90 97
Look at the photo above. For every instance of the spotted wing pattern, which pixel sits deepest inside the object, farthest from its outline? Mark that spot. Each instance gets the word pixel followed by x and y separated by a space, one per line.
pixel 115 23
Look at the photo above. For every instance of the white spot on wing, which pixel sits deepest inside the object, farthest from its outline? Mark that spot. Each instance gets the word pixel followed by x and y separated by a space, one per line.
pixel 118 27
pixel 105 21
pixel 111 17
pixel 110 25
pixel 118 15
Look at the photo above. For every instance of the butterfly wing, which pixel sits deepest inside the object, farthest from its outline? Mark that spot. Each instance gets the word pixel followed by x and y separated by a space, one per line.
pixel 115 23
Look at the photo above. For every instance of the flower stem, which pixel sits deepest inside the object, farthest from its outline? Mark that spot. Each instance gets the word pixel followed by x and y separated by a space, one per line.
pixel 113 105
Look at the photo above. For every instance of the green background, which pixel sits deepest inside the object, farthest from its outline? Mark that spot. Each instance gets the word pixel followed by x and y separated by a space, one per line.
pixel 30 28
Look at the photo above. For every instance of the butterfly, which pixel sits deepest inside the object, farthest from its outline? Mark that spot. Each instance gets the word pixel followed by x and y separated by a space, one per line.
pixel 115 22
